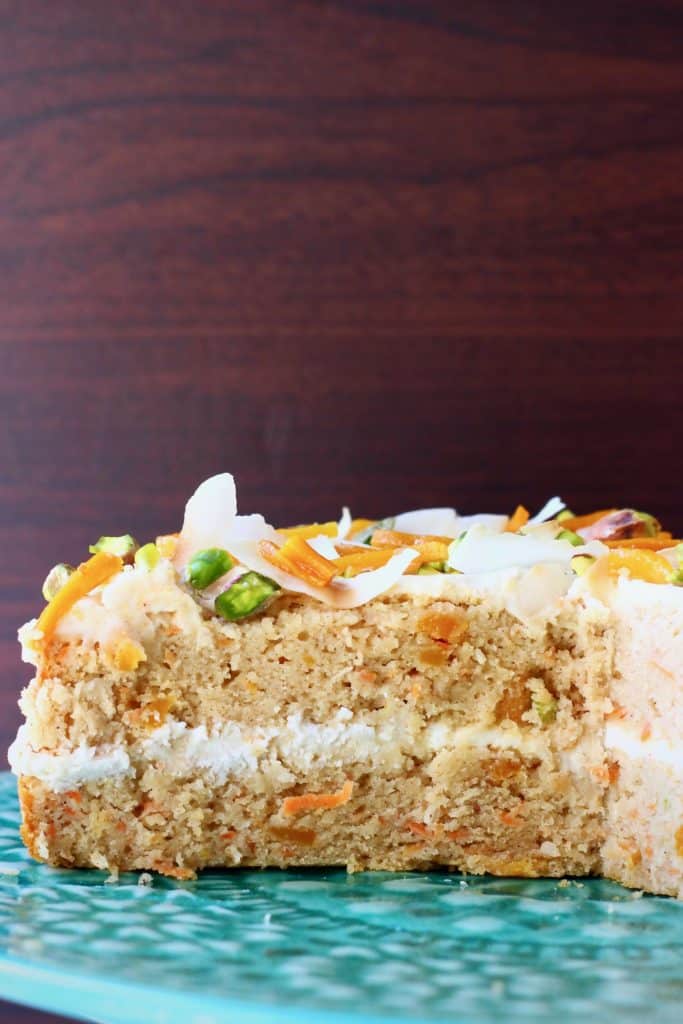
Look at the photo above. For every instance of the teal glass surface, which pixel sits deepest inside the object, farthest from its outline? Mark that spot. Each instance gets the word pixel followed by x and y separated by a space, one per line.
pixel 324 947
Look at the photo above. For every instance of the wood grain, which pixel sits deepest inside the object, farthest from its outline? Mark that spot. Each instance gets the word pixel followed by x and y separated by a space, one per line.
pixel 379 253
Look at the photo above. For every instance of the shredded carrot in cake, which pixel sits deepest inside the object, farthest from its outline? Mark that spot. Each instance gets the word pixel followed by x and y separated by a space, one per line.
pixel 314 530
pixel 317 801
pixel 86 577
pixel 298 558
pixel 419 829
pixel 518 519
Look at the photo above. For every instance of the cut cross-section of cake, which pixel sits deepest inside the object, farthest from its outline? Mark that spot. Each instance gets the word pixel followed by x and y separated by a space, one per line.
pixel 489 693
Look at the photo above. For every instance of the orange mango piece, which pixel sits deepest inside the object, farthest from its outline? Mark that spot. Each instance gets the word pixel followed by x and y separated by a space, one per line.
pixel 430 548
pixel 639 563
pixel 360 561
pixel 85 578
pixel 360 524
pixel 580 522
pixel 659 543
pixel 518 519
pixel 297 557
pixel 314 530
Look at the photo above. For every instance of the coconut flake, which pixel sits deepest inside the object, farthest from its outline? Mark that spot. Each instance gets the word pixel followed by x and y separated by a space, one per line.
pixel 492 522
pixel 344 524
pixel 483 551
pixel 442 522
pixel 209 516
pixel 551 508
pixel 323 545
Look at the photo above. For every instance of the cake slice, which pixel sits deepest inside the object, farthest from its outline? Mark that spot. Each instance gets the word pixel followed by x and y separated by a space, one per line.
pixel 488 693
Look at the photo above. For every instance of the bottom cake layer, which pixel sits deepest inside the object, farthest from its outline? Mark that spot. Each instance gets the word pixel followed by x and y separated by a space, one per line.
pixel 476 810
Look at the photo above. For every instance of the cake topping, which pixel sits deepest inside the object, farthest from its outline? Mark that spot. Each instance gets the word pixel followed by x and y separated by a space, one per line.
pixel 124 546
pixel 245 596
pixel 206 566
pixel 147 557
pixel 97 570
pixel 55 580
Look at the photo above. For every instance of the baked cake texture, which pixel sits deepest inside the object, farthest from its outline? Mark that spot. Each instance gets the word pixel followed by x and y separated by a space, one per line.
pixel 488 693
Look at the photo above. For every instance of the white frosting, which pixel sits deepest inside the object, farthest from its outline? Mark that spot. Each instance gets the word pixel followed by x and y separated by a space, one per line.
pixel 237 751
pixel 67 769
pixel 623 740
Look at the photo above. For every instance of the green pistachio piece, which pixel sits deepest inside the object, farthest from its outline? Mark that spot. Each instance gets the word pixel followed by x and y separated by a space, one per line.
pixel 580 563
pixel 147 557
pixel 574 539
pixel 245 596
pixel 430 569
pixel 564 514
pixel 677 574
pixel 207 566
pixel 652 525
pixel 545 708
pixel 55 579
pixel 124 546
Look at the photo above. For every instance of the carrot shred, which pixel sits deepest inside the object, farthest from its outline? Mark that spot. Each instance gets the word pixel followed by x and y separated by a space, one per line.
pixel 659 543
pixel 85 578
pixel 298 558
pixel 230 834
pixel 317 801
pixel 518 519
pixel 511 819
pixel 580 522
pixel 398 539
pixel 419 829
pixel 360 524
pixel 429 548
pixel 360 561
pixel 314 530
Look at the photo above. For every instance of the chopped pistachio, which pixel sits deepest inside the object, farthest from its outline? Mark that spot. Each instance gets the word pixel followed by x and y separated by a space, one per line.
pixel 245 596
pixel 677 574
pixel 124 546
pixel 574 538
pixel 545 708
pixel 564 514
pixel 652 525
pixel 580 563
pixel 207 566
pixel 55 579
pixel 429 568
pixel 147 557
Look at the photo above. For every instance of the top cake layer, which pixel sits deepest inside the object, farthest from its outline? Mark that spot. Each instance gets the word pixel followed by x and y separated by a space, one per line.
pixel 234 566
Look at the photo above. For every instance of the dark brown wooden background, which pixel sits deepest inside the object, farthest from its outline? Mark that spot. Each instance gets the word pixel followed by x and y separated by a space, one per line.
pixel 385 253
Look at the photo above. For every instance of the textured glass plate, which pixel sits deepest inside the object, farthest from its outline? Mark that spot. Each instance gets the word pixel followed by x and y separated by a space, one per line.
pixel 324 947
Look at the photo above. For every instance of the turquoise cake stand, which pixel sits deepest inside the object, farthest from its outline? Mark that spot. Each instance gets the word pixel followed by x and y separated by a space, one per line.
pixel 324 947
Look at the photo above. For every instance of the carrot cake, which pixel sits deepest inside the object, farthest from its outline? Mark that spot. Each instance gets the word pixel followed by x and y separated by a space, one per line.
pixel 490 693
